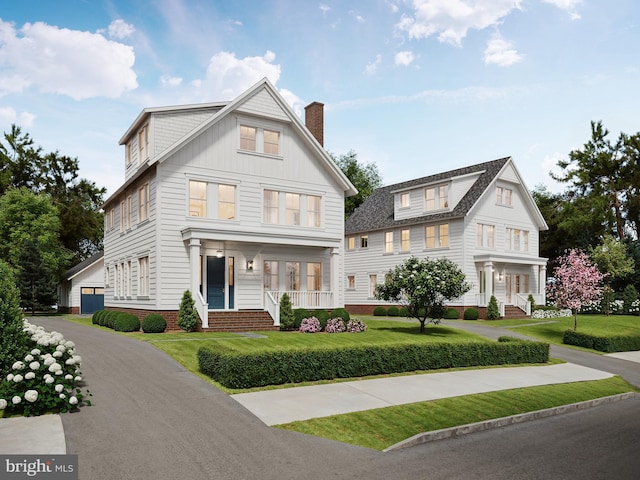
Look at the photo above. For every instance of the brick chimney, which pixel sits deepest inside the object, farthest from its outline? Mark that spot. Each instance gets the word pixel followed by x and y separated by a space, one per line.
pixel 314 120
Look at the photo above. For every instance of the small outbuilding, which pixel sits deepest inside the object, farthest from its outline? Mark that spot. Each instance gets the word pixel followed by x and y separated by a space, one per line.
pixel 82 288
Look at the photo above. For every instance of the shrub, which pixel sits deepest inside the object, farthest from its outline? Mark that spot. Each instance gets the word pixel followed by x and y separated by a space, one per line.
pixel 107 318
pixel 335 325
pixel 404 312
pixel 287 320
pixel 300 314
pixel 629 298
pixel 236 370
pixel 154 323
pixel 380 311
pixel 602 344
pixel 187 315
pixel 355 325
pixel 551 313
pixel 451 314
pixel 493 312
pixel 96 317
pixel 13 341
pixel 471 314
pixel 310 325
pixel 322 316
pixel 126 322
pixel 341 313
pixel 393 311
pixel 532 301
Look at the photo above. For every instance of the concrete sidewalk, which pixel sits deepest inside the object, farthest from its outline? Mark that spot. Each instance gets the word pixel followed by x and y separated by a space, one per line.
pixel 286 405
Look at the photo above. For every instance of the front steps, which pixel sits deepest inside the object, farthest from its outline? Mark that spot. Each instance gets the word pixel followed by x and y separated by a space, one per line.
pixel 240 321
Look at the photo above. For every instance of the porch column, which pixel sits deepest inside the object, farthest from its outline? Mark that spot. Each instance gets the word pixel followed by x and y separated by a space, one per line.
pixel 335 277
pixel 488 287
pixel 542 283
pixel 194 259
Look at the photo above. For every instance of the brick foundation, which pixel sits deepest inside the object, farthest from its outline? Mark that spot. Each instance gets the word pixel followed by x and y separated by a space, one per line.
pixel 363 309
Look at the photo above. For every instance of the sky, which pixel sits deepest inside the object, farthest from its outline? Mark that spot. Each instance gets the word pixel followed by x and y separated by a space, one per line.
pixel 415 87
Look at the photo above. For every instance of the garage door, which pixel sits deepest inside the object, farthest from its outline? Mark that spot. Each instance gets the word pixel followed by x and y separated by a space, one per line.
pixel 91 299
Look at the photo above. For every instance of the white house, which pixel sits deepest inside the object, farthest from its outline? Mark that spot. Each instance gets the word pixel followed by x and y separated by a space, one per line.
pixel 237 202
pixel 482 217
pixel 81 290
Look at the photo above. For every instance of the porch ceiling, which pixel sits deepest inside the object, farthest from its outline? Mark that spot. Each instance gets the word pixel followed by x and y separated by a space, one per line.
pixel 304 238
pixel 521 260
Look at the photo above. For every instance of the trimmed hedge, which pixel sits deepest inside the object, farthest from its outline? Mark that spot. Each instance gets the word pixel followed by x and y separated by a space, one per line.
pixel 380 312
pixel 602 344
pixel 153 323
pixel 236 370
pixel 403 312
pixel 451 314
pixel 95 318
pixel 393 311
pixel 471 314
pixel 126 322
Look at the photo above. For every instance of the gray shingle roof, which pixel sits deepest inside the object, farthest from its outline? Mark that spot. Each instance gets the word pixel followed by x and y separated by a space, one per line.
pixel 376 212
pixel 84 264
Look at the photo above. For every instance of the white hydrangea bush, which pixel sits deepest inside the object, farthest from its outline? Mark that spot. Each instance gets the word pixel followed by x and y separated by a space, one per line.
pixel 552 313
pixel 48 379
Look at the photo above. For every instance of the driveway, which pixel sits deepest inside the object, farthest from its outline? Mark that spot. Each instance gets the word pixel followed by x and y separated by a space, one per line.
pixel 151 419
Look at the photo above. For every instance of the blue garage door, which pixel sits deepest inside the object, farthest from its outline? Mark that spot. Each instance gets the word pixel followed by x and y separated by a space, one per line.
pixel 91 299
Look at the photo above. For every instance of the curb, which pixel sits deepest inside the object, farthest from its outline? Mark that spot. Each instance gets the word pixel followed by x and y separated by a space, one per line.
pixel 453 432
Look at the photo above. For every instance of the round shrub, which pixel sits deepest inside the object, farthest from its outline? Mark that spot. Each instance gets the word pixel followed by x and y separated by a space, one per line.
pixel 393 311
pixel 341 313
pixel 310 325
pixel 471 314
pixel 403 312
pixel 154 323
pixel 96 316
pixel 299 314
pixel 111 318
pixel 335 325
pixel 126 322
pixel 356 325
pixel 451 314
pixel 104 318
pixel 380 311
pixel 322 316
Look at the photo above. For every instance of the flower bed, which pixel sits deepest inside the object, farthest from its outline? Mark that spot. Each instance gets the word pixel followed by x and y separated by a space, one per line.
pixel 551 313
pixel 46 380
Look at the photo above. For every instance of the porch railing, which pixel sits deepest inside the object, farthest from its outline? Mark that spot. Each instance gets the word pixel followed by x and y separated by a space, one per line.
pixel 523 303
pixel 272 305
pixel 305 299
pixel 202 308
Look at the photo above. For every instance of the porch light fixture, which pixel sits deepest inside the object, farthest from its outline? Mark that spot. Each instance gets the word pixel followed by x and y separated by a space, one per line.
pixel 500 277
pixel 219 253
pixel 250 265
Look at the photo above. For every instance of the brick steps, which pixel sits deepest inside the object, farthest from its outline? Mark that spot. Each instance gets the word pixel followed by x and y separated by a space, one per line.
pixel 514 312
pixel 241 321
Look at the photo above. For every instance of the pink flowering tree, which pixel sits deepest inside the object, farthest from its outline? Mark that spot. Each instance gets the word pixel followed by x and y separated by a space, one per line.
pixel 577 282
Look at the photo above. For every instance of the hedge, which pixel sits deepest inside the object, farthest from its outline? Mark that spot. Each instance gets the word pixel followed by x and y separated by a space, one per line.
pixel 126 322
pixel 380 311
pixel 153 323
pixel 237 370
pixel 602 344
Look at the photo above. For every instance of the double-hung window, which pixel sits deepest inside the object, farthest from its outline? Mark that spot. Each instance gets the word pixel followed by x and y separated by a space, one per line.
pixel 292 208
pixel 405 240
pixel 248 138
pixel 504 196
pixel 437 236
pixel 314 277
pixel 260 140
pixel 270 207
pixel 388 242
pixel 270 275
pixel 143 202
pixel 292 270
pixel 143 276
pixel 143 143
pixel 197 198
pixel 485 235
pixel 313 211
pixel 226 202
pixel 436 198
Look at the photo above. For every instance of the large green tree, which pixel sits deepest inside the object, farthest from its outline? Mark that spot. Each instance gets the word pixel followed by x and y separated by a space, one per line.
pixel 78 200
pixel 364 176
pixel 423 287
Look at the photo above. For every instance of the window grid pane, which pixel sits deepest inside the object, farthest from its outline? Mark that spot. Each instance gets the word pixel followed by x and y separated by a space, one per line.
pixel 271 142
pixel 226 202
pixel 313 211
pixel 293 209
pixel 444 235
pixel 293 275
pixel 270 207
pixel 388 242
pixel 270 275
pixel 314 276
pixel 430 237
pixel 197 198
pixel 247 138
pixel 404 240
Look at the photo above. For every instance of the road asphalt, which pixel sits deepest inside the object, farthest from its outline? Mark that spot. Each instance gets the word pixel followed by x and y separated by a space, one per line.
pixel 107 358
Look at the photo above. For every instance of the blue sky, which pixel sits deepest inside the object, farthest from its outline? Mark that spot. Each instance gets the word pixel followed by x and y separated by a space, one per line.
pixel 414 86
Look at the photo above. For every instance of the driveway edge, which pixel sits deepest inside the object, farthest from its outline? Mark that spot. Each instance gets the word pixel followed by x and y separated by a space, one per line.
pixel 452 432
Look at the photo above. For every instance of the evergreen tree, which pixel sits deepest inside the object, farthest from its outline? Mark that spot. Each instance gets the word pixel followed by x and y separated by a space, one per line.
pixel 13 341
pixel 493 312
pixel 187 315
pixel 287 318
pixel 35 280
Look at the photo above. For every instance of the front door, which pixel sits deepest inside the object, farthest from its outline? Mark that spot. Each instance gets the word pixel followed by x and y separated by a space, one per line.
pixel 215 282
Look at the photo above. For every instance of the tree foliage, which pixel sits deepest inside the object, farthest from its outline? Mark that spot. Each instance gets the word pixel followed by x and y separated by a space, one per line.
pixel 13 340
pixel 364 176
pixel 423 287
pixel 187 314
pixel 577 282
pixel 23 165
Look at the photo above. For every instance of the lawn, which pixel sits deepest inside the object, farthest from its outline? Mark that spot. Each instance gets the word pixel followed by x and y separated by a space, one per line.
pixel 383 427
pixel 598 325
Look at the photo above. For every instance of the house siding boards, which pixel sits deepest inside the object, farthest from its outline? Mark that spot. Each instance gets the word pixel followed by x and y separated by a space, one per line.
pixel 472 199
pixel 203 145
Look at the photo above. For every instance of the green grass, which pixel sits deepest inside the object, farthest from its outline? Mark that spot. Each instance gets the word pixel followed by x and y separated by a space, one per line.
pixel 599 325
pixel 383 427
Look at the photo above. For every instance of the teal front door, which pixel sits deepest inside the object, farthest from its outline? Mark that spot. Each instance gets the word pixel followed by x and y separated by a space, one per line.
pixel 215 282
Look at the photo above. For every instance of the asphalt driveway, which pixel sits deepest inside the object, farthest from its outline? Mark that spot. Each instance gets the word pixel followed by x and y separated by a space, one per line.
pixel 151 419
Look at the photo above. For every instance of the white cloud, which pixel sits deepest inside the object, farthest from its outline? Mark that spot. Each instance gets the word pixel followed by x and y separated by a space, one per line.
pixel 501 52
pixel 120 29
pixel 169 81
pixel 67 62
pixel 228 76
pixel 392 6
pixel 8 115
pixel 372 67
pixel 450 20
pixel 359 18
pixel 568 5
pixel 325 9
pixel 404 58
pixel 295 102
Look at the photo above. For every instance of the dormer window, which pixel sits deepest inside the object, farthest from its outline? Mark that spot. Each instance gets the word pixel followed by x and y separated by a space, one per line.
pixel 143 143
pixel 405 200
pixel 504 196
pixel 436 198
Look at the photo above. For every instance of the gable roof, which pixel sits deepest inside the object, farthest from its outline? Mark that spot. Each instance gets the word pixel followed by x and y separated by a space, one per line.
pixel 377 211
pixel 226 108
pixel 82 266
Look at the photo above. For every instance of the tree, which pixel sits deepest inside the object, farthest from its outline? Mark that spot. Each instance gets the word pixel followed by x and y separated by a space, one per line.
pixel 577 282
pixel 35 280
pixel 187 315
pixel 13 340
pixel 365 177
pixel 493 312
pixel 287 319
pixel 612 260
pixel 423 287
pixel 25 216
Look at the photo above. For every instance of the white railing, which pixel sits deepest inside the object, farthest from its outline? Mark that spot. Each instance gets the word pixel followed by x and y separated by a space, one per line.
pixel 310 299
pixel 523 303
pixel 202 308
pixel 501 308
pixel 272 305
